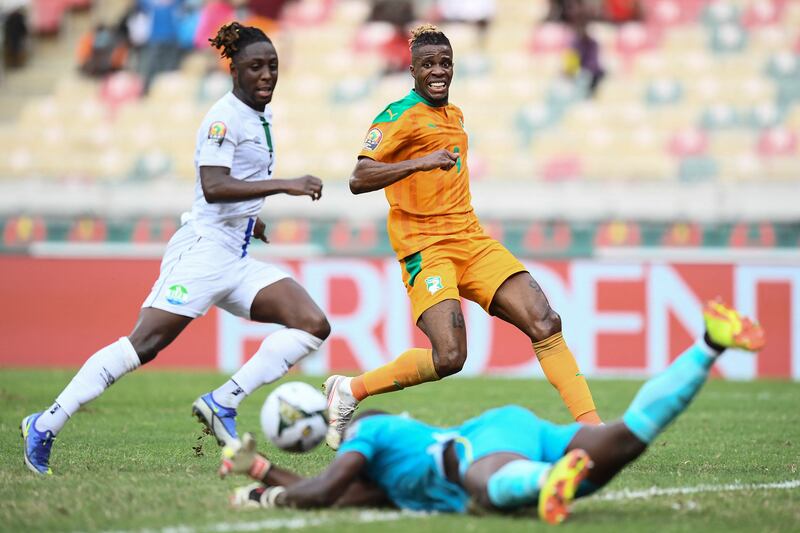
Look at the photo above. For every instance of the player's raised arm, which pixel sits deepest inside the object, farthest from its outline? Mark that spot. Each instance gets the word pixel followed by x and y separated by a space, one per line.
pixel 370 175
pixel 220 187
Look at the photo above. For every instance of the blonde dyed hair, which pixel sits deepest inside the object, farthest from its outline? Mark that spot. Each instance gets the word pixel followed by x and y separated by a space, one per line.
pixel 426 34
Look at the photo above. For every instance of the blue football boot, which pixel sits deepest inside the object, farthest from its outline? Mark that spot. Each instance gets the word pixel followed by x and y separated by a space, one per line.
pixel 220 421
pixel 36 445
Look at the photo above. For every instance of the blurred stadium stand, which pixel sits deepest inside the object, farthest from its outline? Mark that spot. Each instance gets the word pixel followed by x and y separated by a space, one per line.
pixel 697 119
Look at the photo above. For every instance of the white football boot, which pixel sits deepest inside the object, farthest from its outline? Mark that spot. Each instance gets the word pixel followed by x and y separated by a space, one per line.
pixel 341 406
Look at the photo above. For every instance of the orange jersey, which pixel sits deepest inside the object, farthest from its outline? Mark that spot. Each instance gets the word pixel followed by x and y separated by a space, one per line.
pixel 428 206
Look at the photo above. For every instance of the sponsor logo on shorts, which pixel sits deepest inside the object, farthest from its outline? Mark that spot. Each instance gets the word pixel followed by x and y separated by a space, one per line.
pixel 374 137
pixel 177 295
pixel 216 132
pixel 434 284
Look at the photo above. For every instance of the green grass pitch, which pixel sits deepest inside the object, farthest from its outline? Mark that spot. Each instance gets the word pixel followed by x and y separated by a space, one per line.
pixel 128 461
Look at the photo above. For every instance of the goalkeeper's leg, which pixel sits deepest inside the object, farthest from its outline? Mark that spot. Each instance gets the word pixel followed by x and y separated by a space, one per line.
pixel 665 396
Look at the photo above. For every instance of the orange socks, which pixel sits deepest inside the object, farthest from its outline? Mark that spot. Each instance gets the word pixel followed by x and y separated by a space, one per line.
pixel 412 367
pixel 562 372
pixel 415 366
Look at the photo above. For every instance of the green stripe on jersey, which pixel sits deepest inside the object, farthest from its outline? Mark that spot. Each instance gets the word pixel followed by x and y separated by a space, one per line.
pixel 394 110
pixel 266 132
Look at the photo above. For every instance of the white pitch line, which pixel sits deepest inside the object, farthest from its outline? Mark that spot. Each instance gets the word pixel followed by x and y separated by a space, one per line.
pixel 367 517
pixel 299 522
pixel 652 492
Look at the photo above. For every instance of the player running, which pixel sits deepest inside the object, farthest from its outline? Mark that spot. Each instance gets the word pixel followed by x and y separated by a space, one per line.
pixel 504 460
pixel 206 261
pixel 416 150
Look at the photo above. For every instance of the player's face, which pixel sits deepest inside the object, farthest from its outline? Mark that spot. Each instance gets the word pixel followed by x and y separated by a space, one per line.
pixel 432 68
pixel 255 73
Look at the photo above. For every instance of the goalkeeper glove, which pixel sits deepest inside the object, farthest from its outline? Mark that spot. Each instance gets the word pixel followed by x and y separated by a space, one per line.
pixel 242 458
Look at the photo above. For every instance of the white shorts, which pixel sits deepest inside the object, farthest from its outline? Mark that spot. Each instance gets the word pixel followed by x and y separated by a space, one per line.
pixel 197 273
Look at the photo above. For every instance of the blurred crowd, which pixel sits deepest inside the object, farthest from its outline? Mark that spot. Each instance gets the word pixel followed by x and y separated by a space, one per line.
pixel 152 36
pixel 681 90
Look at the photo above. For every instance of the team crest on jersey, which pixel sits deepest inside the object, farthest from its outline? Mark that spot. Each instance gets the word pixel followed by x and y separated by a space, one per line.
pixel 374 137
pixel 177 294
pixel 434 284
pixel 216 132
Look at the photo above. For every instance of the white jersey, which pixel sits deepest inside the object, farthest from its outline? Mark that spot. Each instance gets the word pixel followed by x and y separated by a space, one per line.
pixel 235 136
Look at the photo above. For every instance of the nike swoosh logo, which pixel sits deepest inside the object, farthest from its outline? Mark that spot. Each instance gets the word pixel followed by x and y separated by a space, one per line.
pixel 397 384
pixel 432 126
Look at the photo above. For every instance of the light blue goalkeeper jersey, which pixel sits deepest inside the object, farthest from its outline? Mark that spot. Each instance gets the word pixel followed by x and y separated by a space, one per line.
pixel 404 456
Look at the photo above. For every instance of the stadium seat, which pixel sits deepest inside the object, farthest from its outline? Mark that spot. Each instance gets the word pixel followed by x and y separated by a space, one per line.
pixel 120 88
pixel 765 115
pixel 719 13
pixel 662 13
pixel 634 38
pixel 719 117
pixel 742 166
pixel 778 142
pixel 728 38
pixel 763 13
pixel 688 142
pixel 550 38
pixel 531 120
pixel 663 92
pixel 698 168
pixel 784 66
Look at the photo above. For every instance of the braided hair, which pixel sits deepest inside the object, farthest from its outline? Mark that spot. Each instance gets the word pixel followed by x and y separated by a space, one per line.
pixel 234 37
pixel 425 34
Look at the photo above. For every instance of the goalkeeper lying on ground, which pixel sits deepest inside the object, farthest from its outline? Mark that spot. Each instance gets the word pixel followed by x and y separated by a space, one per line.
pixel 504 460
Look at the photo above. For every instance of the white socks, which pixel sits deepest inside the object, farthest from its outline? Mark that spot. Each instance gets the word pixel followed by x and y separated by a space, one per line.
pixel 98 373
pixel 276 355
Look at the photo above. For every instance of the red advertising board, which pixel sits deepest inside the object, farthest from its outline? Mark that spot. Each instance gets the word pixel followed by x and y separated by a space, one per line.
pixel 620 318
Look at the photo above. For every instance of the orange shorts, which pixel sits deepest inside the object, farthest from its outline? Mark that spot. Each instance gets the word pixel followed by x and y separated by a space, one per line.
pixel 472 267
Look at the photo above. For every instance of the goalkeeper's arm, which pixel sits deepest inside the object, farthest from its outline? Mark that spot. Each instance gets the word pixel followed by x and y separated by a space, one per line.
pixel 339 485
pixel 245 460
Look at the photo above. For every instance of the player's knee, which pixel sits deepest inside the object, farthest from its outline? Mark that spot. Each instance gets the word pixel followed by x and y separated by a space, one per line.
pixel 312 321
pixel 450 361
pixel 319 326
pixel 546 325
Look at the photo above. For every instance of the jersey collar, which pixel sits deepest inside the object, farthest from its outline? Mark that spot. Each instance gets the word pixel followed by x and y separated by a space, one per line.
pixel 244 108
pixel 414 95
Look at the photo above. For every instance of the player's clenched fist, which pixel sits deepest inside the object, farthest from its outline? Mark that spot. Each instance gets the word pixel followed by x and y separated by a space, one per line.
pixel 444 159
pixel 305 186
pixel 242 458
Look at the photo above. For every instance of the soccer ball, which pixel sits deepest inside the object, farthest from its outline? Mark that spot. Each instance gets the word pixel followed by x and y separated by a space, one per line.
pixel 295 417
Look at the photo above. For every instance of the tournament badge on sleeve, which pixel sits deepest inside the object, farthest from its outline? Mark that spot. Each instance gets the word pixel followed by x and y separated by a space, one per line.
pixel 374 137
pixel 216 133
